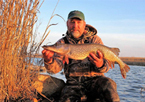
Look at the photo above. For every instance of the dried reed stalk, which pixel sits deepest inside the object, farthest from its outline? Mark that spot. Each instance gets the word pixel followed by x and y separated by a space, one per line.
pixel 16 29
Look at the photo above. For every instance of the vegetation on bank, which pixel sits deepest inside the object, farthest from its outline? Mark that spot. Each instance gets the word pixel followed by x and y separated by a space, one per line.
pixel 17 47
pixel 16 33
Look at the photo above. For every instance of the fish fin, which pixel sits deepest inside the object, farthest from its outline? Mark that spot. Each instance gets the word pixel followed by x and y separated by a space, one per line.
pixel 115 51
pixel 65 59
pixel 111 64
pixel 123 70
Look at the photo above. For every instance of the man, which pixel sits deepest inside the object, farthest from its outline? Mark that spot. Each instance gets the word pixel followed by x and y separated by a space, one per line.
pixel 85 78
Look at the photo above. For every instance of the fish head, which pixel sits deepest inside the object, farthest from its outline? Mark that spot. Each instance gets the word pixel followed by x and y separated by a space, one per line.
pixel 57 48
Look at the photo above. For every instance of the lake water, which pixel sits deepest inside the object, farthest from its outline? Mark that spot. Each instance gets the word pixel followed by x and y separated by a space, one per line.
pixel 131 89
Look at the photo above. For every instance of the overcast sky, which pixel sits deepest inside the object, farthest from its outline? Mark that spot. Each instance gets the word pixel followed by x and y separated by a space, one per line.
pixel 120 23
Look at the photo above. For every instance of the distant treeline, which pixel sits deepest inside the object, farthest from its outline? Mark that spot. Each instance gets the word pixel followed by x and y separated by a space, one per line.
pixel 134 60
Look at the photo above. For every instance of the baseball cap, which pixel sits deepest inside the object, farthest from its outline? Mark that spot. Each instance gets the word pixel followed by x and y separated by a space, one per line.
pixel 76 14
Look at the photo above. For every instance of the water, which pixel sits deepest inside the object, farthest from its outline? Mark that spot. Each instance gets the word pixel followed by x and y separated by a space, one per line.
pixel 131 89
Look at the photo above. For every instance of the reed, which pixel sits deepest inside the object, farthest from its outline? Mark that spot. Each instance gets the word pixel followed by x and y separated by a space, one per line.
pixel 16 33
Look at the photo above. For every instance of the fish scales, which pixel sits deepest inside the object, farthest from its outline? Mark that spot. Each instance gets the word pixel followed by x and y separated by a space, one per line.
pixel 81 51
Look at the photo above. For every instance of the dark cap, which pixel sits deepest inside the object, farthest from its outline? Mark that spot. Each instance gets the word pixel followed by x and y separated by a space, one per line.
pixel 76 14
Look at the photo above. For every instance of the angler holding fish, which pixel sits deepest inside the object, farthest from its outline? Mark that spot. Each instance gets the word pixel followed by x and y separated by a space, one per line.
pixel 85 60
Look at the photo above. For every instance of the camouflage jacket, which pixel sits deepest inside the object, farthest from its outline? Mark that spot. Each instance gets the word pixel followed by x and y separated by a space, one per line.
pixel 78 67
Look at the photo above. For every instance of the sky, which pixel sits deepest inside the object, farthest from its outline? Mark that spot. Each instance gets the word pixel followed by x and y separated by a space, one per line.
pixel 120 23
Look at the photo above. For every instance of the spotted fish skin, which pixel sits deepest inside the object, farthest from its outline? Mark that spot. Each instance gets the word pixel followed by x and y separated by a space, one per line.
pixel 81 51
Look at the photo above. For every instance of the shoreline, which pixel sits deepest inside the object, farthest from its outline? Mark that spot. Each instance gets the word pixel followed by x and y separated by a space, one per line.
pixel 140 61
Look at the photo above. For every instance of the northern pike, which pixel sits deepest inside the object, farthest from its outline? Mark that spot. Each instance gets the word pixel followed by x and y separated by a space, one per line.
pixel 81 51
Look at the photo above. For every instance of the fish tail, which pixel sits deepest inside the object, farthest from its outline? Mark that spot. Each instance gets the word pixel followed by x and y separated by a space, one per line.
pixel 127 68
pixel 124 69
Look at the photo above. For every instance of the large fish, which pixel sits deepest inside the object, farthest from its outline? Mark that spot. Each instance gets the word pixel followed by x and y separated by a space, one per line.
pixel 81 51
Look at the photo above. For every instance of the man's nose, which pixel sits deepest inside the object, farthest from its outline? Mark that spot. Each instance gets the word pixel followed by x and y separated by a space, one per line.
pixel 75 25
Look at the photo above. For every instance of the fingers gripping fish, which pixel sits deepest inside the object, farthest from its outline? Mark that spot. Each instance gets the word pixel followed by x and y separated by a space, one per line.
pixel 81 51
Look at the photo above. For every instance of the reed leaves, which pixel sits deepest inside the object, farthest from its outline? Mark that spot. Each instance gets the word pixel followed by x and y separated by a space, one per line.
pixel 17 19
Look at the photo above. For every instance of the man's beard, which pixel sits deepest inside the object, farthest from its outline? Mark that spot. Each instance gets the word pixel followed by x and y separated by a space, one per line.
pixel 76 34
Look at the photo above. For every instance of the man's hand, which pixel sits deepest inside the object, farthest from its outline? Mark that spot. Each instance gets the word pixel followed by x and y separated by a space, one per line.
pixel 96 59
pixel 48 56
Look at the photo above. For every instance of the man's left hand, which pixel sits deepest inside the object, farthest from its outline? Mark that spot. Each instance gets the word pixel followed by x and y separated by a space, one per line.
pixel 96 59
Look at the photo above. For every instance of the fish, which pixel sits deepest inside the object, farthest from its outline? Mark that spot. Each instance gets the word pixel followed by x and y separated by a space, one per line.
pixel 81 51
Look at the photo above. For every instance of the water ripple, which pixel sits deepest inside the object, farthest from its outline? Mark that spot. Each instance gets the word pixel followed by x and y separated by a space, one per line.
pixel 131 89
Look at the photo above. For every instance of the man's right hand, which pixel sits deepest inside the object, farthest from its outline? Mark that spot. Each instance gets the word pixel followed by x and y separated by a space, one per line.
pixel 48 56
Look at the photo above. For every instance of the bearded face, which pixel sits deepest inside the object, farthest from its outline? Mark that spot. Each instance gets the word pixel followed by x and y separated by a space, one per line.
pixel 76 27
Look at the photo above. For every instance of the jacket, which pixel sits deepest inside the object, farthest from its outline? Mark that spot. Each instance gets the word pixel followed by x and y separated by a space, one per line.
pixel 78 67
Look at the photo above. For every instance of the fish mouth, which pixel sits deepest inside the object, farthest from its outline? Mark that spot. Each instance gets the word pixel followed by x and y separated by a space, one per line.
pixel 53 49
